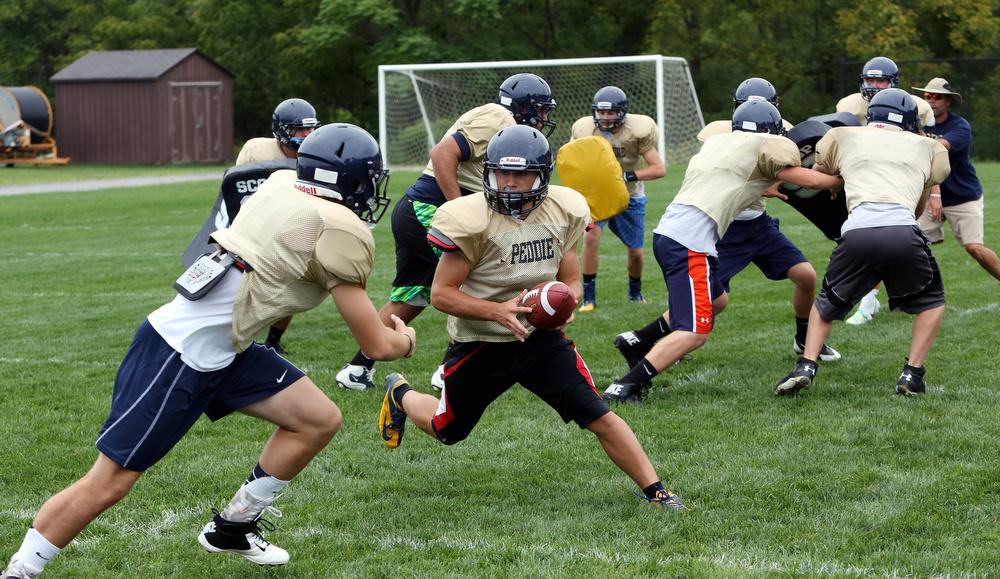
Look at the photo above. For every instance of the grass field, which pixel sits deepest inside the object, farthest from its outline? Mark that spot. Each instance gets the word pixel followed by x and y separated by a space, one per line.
pixel 846 479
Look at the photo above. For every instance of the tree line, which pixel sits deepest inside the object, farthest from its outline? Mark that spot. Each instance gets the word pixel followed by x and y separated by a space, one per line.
pixel 327 51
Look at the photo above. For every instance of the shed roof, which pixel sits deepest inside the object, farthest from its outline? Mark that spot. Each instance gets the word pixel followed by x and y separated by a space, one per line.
pixel 125 65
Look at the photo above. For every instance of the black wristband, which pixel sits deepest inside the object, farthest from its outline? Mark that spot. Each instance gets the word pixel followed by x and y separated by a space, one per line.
pixel 630 176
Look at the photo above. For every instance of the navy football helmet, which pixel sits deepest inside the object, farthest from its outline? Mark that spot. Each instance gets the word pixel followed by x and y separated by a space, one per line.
pixel 878 67
pixel 292 114
pixel 343 163
pixel 893 106
pixel 519 148
pixel 530 100
pixel 755 89
pixel 610 98
pixel 758 117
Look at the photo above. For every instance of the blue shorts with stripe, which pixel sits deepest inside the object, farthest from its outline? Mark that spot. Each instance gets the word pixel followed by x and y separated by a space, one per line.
pixel 629 225
pixel 157 397
pixel 757 241
pixel 692 284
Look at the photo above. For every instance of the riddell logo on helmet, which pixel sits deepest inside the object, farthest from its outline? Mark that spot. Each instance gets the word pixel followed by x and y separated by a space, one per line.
pixel 513 162
pixel 306 188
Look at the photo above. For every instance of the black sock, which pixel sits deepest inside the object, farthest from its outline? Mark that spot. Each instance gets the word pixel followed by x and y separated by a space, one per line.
pixel 641 374
pixel 918 371
pixel 397 394
pixel 274 336
pixel 652 333
pixel 257 473
pixel 652 489
pixel 589 277
pixel 801 328
pixel 360 359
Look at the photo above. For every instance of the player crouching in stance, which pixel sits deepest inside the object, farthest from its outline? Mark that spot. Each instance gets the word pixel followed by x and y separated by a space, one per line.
pixel 298 240
pixel 730 173
pixel 479 283
pixel 889 171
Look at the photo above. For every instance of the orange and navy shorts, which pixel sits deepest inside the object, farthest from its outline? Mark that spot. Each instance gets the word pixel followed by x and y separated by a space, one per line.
pixel 692 283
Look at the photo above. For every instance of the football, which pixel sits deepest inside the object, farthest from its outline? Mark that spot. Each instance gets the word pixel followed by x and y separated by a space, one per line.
pixel 551 304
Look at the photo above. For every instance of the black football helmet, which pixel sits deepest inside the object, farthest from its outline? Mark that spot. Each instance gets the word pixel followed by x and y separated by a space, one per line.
pixel 755 89
pixel 893 106
pixel 292 114
pixel 343 163
pixel 518 148
pixel 758 117
pixel 529 99
pixel 878 67
pixel 610 98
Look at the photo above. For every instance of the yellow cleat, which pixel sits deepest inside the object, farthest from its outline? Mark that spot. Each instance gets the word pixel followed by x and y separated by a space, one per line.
pixel 392 418
pixel 587 307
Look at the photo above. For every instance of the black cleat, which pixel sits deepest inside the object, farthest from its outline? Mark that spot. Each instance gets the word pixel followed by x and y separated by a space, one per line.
pixel 911 381
pixel 631 348
pixel 799 379
pixel 626 392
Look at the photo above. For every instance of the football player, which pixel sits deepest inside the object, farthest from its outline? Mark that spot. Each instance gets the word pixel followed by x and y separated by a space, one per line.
pixel 754 237
pixel 292 121
pixel 730 173
pixel 196 354
pixel 633 138
pixel 877 74
pixel 455 169
pixel 889 171
pixel 479 285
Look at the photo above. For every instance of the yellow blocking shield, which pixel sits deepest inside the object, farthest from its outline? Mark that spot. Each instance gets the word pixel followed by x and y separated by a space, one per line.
pixel 589 166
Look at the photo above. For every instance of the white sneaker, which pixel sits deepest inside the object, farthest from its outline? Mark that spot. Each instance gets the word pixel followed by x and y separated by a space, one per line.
pixel 18 569
pixel 243 539
pixel 860 316
pixel 437 380
pixel 826 353
pixel 354 377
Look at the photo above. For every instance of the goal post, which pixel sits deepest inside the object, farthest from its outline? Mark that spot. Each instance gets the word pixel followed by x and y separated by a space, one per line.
pixel 418 102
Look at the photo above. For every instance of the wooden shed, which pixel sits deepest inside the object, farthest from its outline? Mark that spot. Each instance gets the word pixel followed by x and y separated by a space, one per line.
pixel 148 107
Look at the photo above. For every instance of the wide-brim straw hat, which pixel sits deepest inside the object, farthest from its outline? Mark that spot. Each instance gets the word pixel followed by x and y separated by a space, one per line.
pixel 940 86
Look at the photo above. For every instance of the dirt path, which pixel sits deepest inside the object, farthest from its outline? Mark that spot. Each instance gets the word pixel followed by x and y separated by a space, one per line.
pixel 95 184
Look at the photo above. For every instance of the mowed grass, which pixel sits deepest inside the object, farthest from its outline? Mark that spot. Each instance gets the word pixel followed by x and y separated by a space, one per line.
pixel 845 479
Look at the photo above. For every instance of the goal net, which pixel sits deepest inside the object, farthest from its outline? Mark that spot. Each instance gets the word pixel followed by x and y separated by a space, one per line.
pixel 418 102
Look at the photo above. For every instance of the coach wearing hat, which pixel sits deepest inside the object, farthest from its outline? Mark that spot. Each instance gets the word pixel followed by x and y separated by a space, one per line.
pixel 960 201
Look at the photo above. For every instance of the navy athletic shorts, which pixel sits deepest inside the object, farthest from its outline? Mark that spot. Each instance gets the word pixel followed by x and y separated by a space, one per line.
pixel 757 241
pixel 692 280
pixel 546 364
pixel 157 397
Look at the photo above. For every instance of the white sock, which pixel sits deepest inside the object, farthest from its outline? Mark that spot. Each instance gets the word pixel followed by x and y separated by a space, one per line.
pixel 36 551
pixel 245 506
pixel 870 302
pixel 266 486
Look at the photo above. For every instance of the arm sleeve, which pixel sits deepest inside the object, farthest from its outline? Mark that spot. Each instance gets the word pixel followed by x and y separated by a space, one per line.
pixel 346 256
pixel 959 135
pixel 777 154
pixel 940 166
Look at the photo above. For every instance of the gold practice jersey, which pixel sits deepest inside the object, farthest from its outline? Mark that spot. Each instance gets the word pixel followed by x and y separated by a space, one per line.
pixel 300 247
pixel 630 142
pixel 260 149
pixel 477 126
pixel 883 164
pixel 506 253
pixel 858 106
pixel 732 171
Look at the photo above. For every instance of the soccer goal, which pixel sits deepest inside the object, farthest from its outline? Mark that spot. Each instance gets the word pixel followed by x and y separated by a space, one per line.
pixel 418 102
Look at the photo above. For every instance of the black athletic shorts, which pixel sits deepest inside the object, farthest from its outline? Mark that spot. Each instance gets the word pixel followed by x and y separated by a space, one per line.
pixel 547 364
pixel 899 256
pixel 416 261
